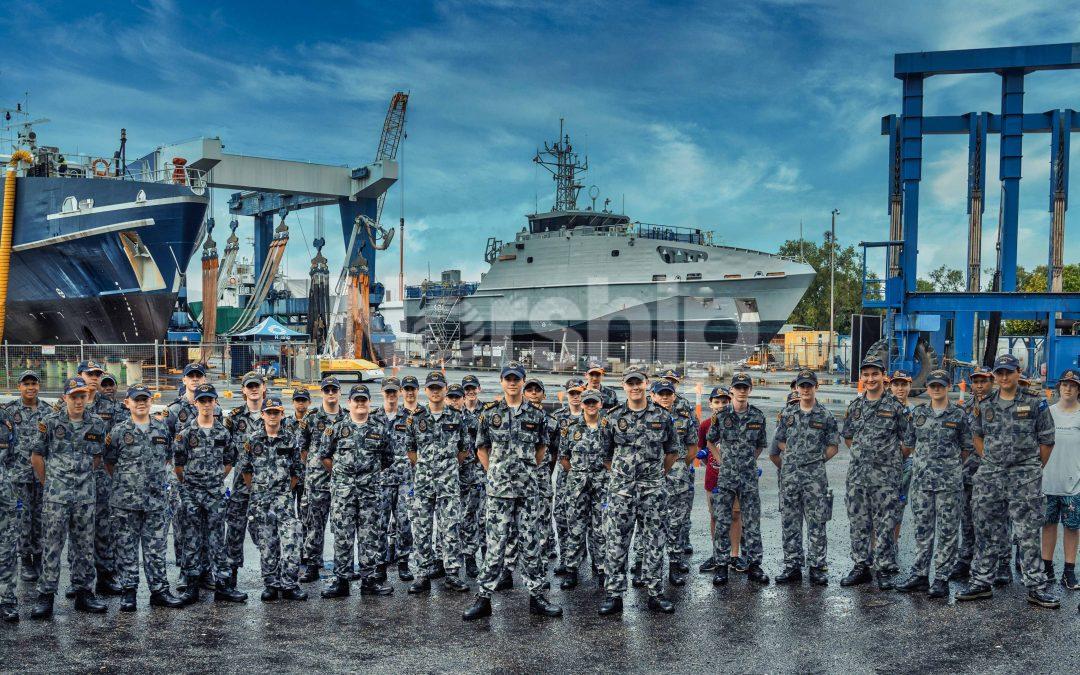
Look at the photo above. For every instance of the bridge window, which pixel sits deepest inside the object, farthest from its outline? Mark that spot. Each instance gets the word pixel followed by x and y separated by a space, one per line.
pixel 673 254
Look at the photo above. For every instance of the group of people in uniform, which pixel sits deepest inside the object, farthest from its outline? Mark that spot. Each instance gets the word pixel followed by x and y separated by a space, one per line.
pixel 450 488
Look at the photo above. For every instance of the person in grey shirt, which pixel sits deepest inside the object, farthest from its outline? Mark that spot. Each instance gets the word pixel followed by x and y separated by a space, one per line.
pixel 1061 480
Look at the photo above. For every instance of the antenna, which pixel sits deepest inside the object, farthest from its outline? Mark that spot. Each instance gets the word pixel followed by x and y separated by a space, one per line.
pixel 560 159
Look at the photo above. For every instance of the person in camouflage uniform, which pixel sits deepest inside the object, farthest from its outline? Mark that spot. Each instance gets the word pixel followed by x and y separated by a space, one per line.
pixel 676 484
pixel 203 456
pixel 535 394
pixel 356 450
pixel 395 484
pixel 511 440
pixel 315 503
pixel 561 503
pixel 11 469
pixel 982 384
pixel 683 405
pixel 242 422
pixel 878 430
pixel 644 447
pixel 25 412
pixel 68 446
pixel 900 388
pixel 594 376
pixel 137 454
pixel 584 446
pixel 942 443
pixel 270 466
pixel 737 436
pixel 807 436
pixel 297 423
pixel 437 444
pixel 1014 433
pixel 471 475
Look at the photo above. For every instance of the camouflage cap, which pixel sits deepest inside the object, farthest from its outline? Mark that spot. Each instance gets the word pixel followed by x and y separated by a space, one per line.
pixel 574 383
pixel 982 371
pixel 535 382
pixel 29 375
pixel 455 391
pixel 252 378
pixel 301 394
pixel 901 375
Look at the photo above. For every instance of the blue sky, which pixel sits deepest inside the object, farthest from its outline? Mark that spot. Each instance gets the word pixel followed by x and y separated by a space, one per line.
pixel 745 118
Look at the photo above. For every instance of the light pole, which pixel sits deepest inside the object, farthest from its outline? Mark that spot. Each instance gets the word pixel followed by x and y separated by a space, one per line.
pixel 832 287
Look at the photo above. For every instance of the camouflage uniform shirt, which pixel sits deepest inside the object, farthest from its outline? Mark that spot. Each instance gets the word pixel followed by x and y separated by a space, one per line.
pixel 940 437
pixel 739 437
pixel 641 439
pixel 204 454
pixel 69 449
pixel 1012 432
pixel 139 458
pixel 437 442
pixel 511 438
pixel 877 430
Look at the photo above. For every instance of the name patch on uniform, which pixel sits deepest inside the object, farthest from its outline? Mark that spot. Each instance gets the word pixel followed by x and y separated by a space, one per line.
pixel 529 426
pixel 92 437
pixel 452 426
pixel 885 413
pixel 400 427
pixel 951 425
pixel 656 425
pixel 753 425
pixel 813 425
pixel 159 440
pixel 374 436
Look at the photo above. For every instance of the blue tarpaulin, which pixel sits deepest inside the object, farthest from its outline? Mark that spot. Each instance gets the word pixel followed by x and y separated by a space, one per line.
pixel 270 328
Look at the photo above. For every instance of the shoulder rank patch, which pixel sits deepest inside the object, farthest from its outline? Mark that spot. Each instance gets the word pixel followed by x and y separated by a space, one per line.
pixel 41 427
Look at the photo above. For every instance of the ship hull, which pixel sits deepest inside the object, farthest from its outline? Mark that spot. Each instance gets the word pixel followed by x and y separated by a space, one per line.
pixel 98 260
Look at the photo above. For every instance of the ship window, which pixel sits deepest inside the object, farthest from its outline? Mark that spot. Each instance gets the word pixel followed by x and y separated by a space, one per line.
pixel 615 253
pixel 529 259
pixel 693 276
pixel 70 205
pixel 659 277
pixel 672 254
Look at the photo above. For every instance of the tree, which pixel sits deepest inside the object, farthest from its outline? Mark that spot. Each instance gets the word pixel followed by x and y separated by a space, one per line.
pixel 1035 282
pixel 813 309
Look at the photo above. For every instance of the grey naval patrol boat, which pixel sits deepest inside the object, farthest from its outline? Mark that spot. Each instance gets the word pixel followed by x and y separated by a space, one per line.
pixel 595 275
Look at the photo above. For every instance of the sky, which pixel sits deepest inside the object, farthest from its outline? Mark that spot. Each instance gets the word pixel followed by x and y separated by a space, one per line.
pixel 743 118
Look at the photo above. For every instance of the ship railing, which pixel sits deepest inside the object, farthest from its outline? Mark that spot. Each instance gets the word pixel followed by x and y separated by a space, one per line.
pixel 439 290
pixel 87 166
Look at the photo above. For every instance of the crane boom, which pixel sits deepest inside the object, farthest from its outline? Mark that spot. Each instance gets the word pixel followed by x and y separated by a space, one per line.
pixel 392 133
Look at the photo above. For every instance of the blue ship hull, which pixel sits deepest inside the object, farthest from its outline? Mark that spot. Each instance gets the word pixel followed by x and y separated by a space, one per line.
pixel 98 260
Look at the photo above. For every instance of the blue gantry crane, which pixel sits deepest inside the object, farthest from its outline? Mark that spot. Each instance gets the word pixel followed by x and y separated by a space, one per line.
pixel 917 324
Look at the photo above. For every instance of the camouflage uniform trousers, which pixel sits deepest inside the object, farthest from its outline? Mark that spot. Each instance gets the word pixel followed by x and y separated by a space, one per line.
pixel 395 528
pixel 723 503
pixel 903 499
pixel 561 509
pixel 472 505
pixel 684 539
pixel 935 515
pixel 58 520
pixel 104 553
pixel 803 496
pixel 871 517
pixel 204 527
pixel 29 494
pixel 315 511
pixel 547 528
pixel 9 544
pixel 678 519
pixel 278 540
pixel 356 518
pixel 135 529
pixel 586 500
pixel 967 525
pixel 174 519
pixel 998 500
pixel 518 518
pixel 238 521
pixel 648 508
pixel 437 517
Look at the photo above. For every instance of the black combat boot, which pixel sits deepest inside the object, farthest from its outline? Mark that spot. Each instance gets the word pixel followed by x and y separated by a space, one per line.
pixel 1004 574
pixel 612 604
pixel 421 585
pixel 560 570
pixel 127 601
pixel 43 607
pixel 916 582
pixel 191 593
pixel 106 584
pixel 757 575
pixel 885 581
pixel 453 582
pixel 938 589
pixel 9 612
pixel 1043 597
pixel 86 601
pixel 790 575
pixel 860 574
pixel 819 576
pixel 961 571
pixel 682 567
pixel 269 594
pixel 29 570
pixel 310 574
pixel 658 603
pixel 540 606
pixel 371 586
pixel 298 594
pixel 478 610
pixel 403 572
pixel 674 577
pixel 165 599
pixel 506 581
pixel 380 573
pixel 440 570
pixel 569 580
pixel 225 593
pixel 232 577
pixel 975 591
pixel 207 581
pixel 471 569
pixel 337 588
pixel 720 576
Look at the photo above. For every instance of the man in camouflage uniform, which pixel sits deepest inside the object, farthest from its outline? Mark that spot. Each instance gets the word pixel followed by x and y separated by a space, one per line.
pixel 395 484
pixel 942 442
pixel 1013 431
pixel 560 505
pixel 645 446
pixel 807 436
pixel 437 445
pixel 270 466
pixel 511 440
pixel 11 469
pixel 203 455
pixel 900 388
pixel 137 452
pixel 584 446
pixel 535 394
pixel 24 413
pixel 737 436
pixel 982 384
pixel 683 405
pixel 297 423
pixel 243 422
pixel 878 430
pixel 595 380
pixel 357 449
pixel 65 452
pixel 471 475
pixel 315 504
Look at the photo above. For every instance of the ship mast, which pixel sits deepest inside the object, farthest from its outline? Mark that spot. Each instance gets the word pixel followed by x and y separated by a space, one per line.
pixel 560 159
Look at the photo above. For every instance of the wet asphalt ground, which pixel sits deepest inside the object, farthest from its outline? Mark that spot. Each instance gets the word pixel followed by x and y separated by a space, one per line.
pixel 737 628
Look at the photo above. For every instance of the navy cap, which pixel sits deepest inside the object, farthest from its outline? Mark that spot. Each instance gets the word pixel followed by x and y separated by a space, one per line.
pixel 806 376
pixel 661 385
pixel 330 381
pixel 672 374
pixel 273 403
pixel 410 381
pixel 252 377
pixel 534 382
pixel 194 367
pixel 741 380
pixel 574 383
pixel 872 363
pixel 29 374
pixel 982 371
pixel 717 392
pixel 513 368
pixel 1006 362
pixel 391 384
pixel 591 395
pixel 358 391
pixel 938 377
pixel 1070 375
pixel 455 391
pixel 301 394
pixel 89 366
pixel 470 381
pixel 634 375
pixel 205 391
pixel 900 375
pixel 435 378
pixel 108 377
pixel 595 365
pixel 75 384
pixel 137 390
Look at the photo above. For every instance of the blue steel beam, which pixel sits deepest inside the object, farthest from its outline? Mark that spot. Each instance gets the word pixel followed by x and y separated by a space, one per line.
pixel 1033 123
pixel 1026 59
pixel 1028 304
pixel 1012 151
